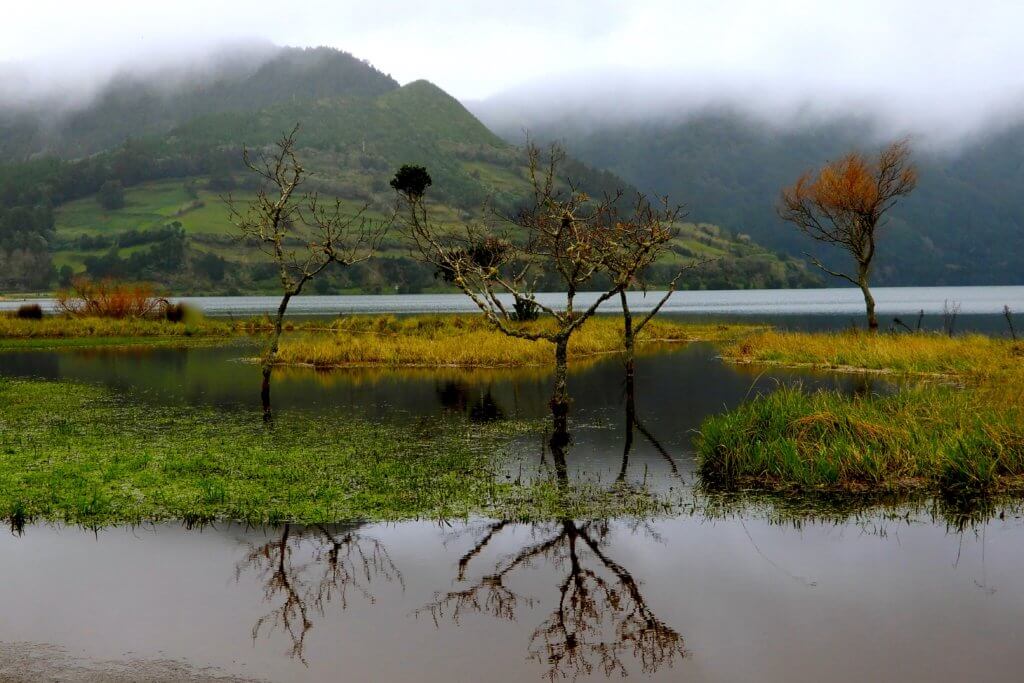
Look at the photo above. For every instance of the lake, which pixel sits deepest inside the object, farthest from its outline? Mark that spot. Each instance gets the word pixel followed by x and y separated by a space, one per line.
pixel 723 591
pixel 980 308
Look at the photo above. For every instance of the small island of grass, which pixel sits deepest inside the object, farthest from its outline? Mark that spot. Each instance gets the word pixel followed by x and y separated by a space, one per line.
pixel 471 341
pixel 956 425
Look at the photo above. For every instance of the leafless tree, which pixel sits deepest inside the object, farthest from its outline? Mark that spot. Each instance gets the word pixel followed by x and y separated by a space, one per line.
pixel 564 232
pixel 845 204
pixel 600 615
pixel 637 242
pixel 300 232
pixel 339 561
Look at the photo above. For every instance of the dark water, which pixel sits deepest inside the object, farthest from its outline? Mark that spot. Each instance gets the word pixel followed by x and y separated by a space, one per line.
pixel 890 594
pixel 980 308
pixel 677 388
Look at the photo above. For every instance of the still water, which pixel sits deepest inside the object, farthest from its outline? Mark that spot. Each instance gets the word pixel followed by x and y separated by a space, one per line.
pixel 713 594
pixel 980 308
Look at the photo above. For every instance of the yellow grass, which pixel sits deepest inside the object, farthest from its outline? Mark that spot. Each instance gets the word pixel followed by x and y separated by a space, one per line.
pixel 969 356
pixel 462 340
pixel 69 327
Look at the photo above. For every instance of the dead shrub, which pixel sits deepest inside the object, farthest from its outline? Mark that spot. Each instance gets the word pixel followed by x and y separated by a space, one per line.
pixel 110 299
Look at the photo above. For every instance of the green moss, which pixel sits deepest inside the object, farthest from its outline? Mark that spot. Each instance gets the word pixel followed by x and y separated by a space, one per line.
pixel 83 455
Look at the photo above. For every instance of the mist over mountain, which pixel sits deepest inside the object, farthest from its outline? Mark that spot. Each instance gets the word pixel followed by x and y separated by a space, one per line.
pixel 727 157
pixel 128 182
pixel 155 97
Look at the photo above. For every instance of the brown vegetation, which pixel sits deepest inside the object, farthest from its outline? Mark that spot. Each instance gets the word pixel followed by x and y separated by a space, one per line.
pixel 845 204
pixel 110 299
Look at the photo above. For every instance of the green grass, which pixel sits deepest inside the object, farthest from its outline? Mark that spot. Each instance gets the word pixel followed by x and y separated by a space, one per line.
pixel 930 435
pixel 80 454
pixel 923 437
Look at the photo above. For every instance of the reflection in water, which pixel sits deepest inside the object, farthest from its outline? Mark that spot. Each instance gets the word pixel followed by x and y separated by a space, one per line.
pixel 862 596
pixel 634 423
pixel 304 569
pixel 600 615
pixel 461 398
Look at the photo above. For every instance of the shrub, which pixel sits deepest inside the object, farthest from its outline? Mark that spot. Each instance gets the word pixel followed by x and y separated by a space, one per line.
pixel 174 313
pixel 110 299
pixel 29 312
pixel 526 309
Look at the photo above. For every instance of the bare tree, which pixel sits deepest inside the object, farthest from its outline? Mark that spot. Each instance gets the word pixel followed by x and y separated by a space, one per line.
pixel 302 234
pixel 599 618
pixel 337 561
pixel 845 204
pixel 636 242
pixel 564 232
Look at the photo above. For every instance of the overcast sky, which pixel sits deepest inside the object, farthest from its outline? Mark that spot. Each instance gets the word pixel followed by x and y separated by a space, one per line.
pixel 928 58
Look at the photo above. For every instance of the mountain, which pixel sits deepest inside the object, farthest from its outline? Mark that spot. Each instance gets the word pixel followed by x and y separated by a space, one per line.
pixel 148 206
pixel 244 79
pixel 964 224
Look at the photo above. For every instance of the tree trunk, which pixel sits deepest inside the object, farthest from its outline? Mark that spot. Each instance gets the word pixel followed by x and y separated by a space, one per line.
pixel 630 422
pixel 628 346
pixel 271 355
pixel 558 444
pixel 628 342
pixel 869 301
pixel 560 395
pixel 265 391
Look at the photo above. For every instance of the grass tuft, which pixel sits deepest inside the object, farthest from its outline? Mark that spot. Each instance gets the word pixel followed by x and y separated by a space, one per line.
pixel 930 435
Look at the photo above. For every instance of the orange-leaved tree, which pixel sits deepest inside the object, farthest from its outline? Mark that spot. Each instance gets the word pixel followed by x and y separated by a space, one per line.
pixel 845 203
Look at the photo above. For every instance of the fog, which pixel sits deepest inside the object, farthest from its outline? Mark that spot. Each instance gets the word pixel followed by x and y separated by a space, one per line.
pixel 54 83
pixel 946 70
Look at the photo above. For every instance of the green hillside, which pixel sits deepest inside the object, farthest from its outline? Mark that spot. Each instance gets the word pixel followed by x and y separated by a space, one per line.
pixel 86 236
pixel 173 227
pixel 963 225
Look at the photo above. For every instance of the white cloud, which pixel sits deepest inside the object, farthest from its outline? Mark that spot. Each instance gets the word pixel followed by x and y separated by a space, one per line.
pixel 932 62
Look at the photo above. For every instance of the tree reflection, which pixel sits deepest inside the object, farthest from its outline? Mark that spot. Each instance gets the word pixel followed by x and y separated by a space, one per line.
pixel 633 423
pixel 304 569
pixel 600 616
pixel 457 397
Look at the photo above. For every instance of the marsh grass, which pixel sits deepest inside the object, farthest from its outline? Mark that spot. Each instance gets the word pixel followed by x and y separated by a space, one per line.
pixel 125 329
pixel 968 356
pixel 932 435
pixel 80 454
pixel 357 340
pixel 470 341
pixel 871 511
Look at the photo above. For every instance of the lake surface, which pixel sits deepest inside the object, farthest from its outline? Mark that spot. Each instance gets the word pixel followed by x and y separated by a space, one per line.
pixel 712 594
pixel 980 308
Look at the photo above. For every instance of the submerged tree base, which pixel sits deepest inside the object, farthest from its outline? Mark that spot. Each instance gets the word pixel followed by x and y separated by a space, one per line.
pixel 83 455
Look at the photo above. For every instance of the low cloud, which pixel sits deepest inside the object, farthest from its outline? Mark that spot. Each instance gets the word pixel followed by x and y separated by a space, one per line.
pixel 941 68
